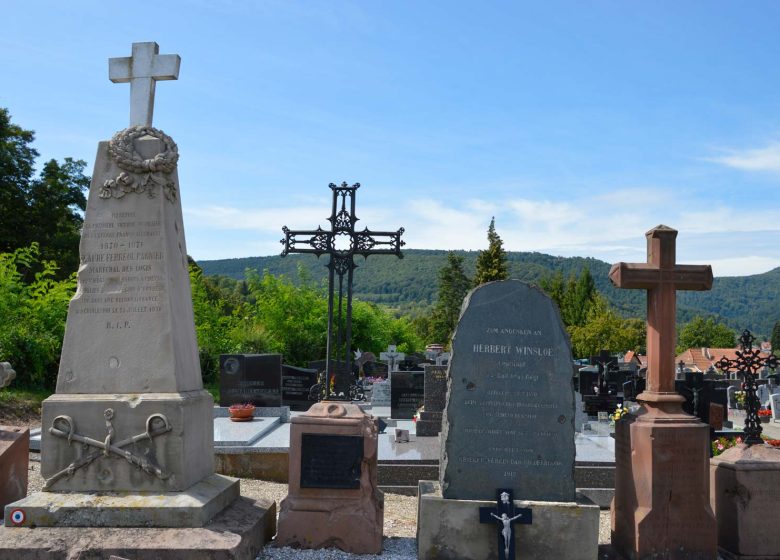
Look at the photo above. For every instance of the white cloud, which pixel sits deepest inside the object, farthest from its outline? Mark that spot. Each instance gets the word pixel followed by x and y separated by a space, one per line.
pixel 754 159
pixel 741 266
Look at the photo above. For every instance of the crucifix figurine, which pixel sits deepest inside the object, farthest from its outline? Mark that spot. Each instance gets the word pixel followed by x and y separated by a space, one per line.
pixel 341 243
pixel 507 515
pixel 661 277
pixel 143 69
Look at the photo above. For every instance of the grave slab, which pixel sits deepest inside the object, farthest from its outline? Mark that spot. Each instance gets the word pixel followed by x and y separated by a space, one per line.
pixel 239 532
pixel 228 433
pixel 450 529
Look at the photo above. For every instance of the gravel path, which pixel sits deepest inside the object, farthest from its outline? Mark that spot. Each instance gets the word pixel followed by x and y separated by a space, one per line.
pixel 400 522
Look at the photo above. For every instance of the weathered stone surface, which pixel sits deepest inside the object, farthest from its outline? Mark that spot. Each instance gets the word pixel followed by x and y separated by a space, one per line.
pixel 450 529
pixel 238 533
pixel 185 453
pixel 745 493
pixel 14 460
pixel 380 393
pixel 193 508
pixel 7 374
pixel 509 420
pixel 271 465
pixel 130 326
pixel 435 384
pixel 348 519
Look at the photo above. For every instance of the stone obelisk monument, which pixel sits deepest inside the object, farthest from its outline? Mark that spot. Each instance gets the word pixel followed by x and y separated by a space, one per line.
pixel 130 415
pixel 661 507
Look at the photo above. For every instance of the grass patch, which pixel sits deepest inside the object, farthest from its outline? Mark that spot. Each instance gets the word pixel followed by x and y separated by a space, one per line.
pixel 21 406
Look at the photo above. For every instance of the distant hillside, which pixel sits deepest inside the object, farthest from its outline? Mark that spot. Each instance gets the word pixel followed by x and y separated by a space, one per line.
pixel 742 302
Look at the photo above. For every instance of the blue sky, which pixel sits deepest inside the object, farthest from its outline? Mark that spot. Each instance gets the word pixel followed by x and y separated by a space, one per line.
pixel 578 125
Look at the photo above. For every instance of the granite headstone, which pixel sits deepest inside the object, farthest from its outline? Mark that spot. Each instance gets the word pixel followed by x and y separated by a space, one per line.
pixel 509 418
pixel 435 389
pixel 250 378
pixel 407 392
pixel 775 405
pixel 380 393
pixel 296 383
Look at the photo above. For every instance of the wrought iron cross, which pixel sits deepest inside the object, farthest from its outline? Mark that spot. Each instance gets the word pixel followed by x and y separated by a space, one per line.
pixel 506 515
pixel 748 363
pixel 342 243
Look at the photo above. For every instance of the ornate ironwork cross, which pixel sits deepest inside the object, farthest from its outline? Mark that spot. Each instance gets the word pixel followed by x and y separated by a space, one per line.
pixel 748 363
pixel 342 243
pixel 506 515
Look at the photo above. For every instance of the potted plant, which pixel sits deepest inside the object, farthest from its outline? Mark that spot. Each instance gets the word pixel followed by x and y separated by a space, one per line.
pixel 764 415
pixel 241 412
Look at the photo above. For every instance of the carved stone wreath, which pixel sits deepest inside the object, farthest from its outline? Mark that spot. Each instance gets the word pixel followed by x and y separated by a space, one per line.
pixel 141 175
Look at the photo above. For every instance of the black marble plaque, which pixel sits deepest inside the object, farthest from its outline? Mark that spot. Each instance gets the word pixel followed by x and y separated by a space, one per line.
pixel 509 417
pixel 250 378
pixel 407 393
pixel 331 461
pixel 435 387
pixel 296 383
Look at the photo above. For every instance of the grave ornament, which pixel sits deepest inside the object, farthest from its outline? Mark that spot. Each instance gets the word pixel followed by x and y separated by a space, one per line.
pixel 341 243
pixel 506 515
pixel 748 363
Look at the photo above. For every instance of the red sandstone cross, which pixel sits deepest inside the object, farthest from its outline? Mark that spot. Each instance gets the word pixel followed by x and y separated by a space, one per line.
pixel 661 277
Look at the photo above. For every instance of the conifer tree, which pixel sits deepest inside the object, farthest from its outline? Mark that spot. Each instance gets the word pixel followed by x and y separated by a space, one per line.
pixel 453 286
pixel 491 263
pixel 776 339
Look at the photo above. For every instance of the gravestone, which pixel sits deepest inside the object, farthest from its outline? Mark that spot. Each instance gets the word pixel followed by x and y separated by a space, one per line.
pixel 391 357
pixel 380 393
pixel 508 423
pixel 775 406
pixel 250 378
pixel 763 394
pixel 699 393
pixel 731 396
pixel 435 396
pixel 7 374
pixel 333 498
pixel 407 392
pixel 127 439
pixel 580 418
pixel 296 383
pixel 14 463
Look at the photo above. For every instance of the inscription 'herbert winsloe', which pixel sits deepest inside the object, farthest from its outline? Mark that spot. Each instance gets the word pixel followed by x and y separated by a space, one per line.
pixel 509 416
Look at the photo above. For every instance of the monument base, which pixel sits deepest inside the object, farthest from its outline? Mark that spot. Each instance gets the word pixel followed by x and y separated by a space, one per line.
pixel 238 533
pixel 451 529
pixel 332 503
pixel 194 507
pixel 661 507
pixel 744 492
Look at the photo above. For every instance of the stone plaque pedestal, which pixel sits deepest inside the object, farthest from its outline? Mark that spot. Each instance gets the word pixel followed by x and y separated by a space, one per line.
pixel 662 485
pixel 448 528
pixel 745 491
pixel 329 507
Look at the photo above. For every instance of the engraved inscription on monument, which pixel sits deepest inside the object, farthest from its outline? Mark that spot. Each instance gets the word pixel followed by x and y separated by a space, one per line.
pixel 509 420
pixel 331 461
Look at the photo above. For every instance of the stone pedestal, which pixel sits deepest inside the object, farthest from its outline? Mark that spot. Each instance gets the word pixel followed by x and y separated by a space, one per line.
pixel 333 500
pixel 661 507
pixel 14 460
pixel 451 529
pixel 745 493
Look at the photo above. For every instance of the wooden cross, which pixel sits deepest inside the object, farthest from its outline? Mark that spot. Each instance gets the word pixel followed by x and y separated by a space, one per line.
pixel 142 69
pixel 661 277
pixel 506 515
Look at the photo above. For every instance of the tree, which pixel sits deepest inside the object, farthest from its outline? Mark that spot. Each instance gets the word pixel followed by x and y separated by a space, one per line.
pixel 704 332
pixel 776 339
pixel 491 263
pixel 574 298
pixel 453 287
pixel 46 209
pixel 603 329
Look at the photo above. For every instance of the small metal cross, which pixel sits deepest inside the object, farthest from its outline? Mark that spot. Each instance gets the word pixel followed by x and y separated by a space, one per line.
pixel 506 515
pixel 748 363
pixel 143 69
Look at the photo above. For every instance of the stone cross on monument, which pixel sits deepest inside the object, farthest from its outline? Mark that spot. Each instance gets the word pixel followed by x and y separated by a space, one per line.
pixel 391 357
pixel 661 503
pixel 143 69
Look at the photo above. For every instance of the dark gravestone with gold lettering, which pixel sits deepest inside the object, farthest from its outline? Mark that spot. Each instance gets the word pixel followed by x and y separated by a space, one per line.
pixel 250 378
pixel 509 419
pixel 407 392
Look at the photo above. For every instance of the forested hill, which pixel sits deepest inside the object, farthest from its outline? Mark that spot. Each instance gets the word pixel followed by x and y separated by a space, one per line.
pixel 742 302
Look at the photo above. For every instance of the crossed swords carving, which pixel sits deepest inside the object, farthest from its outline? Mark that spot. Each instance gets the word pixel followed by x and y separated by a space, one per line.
pixel 64 427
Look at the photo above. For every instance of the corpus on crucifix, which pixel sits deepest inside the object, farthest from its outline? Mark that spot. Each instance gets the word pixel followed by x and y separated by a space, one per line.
pixel 341 243
pixel 143 69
